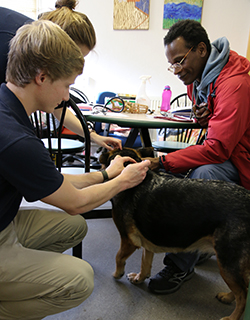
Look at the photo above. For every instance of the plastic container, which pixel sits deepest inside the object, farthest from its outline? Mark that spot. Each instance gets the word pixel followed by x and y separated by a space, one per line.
pixel 166 98
pixel 141 96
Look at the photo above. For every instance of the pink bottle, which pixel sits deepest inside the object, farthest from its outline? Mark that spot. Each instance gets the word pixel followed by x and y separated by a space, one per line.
pixel 166 97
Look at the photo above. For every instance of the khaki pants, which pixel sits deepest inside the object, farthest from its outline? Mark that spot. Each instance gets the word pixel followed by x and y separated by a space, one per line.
pixel 36 280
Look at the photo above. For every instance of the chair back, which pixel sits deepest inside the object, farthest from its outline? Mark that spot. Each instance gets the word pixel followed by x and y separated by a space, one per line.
pixel 85 128
pixel 183 138
pixel 178 105
pixel 106 131
pixel 49 129
pixel 181 101
pixel 78 96
pixel 101 100
pixel 103 95
pixel 45 124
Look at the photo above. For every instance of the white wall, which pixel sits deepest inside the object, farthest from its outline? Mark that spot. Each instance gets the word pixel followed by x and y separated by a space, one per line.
pixel 122 56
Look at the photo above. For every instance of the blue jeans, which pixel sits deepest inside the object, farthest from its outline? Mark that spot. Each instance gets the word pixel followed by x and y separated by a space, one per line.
pixel 222 171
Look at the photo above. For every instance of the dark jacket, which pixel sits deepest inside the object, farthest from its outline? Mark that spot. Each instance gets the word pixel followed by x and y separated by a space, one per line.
pixel 10 21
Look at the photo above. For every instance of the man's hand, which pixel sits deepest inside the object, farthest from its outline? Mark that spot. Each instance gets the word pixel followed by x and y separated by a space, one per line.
pixel 201 114
pixel 135 173
pixel 154 163
pixel 76 200
pixel 132 174
pixel 106 142
pixel 117 165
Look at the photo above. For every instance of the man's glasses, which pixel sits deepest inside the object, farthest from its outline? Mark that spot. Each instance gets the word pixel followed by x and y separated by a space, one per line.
pixel 176 67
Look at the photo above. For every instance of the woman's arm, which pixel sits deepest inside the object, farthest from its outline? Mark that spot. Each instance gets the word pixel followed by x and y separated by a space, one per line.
pixel 72 123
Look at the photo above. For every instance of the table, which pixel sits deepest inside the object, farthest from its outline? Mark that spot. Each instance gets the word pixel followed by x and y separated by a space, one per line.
pixel 139 123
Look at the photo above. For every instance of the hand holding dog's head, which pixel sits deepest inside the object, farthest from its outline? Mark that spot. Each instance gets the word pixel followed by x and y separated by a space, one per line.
pixel 107 157
pixel 137 155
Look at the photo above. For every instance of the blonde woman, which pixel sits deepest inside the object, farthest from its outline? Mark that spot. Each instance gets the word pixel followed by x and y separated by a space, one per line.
pixel 80 29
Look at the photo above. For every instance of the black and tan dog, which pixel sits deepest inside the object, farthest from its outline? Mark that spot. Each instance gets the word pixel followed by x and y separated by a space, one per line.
pixel 166 214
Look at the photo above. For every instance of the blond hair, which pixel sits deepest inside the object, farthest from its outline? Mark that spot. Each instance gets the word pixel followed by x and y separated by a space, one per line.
pixel 76 24
pixel 42 46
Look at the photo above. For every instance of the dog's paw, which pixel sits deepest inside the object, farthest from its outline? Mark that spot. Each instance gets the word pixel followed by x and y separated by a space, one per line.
pixel 135 278
pixel 225 297
pixel 225 318
pixel 117 275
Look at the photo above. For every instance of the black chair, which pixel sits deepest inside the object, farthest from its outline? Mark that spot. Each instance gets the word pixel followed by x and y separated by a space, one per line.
pixel 46 130
pixel 79 98
pixel 49 130
pixel 181 137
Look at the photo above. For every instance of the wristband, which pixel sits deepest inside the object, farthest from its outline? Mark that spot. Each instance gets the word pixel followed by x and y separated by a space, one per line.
pixel 105 175
pixel 160 163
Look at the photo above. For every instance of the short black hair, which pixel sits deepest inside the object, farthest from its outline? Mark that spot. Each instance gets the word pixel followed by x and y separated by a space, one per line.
pixel 192 32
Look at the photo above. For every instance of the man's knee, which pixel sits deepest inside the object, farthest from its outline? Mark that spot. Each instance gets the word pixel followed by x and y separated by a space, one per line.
pixel 79 226
pixel 225 171
pixel 86 281
pixel 204 172
pixel 78 282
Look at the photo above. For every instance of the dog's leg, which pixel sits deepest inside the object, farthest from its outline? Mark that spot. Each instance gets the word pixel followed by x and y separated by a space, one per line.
pixel 240 299
pixel 126 249
pixel 225 297
pixel 146 265
pixel 238 293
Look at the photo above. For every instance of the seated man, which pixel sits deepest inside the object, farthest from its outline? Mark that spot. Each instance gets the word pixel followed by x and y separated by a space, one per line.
pixel 218 82
pixel 36 280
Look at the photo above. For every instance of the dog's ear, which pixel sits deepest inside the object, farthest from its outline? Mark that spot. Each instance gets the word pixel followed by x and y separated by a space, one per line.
pixel 146 152
pixel 103 159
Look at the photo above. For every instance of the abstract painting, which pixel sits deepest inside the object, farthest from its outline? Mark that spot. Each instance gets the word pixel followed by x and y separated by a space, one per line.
pixel 180 10
pixel 131 14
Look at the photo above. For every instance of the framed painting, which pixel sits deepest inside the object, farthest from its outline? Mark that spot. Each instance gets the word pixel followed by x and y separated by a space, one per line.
pixel 181 10
pixel 131 14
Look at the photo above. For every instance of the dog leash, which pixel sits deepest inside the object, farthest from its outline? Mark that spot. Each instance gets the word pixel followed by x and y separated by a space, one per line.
pixel 116 107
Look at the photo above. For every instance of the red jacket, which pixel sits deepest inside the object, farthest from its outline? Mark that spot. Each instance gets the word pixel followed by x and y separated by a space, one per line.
pixel 228 135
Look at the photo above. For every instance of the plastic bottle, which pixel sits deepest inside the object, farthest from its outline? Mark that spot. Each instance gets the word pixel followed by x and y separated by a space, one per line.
pixel 141 96
pixel 166 98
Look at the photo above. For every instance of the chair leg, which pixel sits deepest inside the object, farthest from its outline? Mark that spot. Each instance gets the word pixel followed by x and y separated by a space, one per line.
pixel 77 250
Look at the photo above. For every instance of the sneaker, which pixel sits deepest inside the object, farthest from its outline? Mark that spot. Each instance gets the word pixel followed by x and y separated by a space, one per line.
pixel 169 279
pixel 203 258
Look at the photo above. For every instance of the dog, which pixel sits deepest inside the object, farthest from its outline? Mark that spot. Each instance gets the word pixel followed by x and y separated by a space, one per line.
pixel 169 214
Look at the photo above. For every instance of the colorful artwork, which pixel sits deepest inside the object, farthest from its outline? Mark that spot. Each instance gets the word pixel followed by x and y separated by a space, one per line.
pixel 131 14
pixel 181 10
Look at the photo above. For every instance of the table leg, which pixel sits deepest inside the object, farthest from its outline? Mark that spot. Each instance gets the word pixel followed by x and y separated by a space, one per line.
pixel 144 134
pixel 77 250
pixel 145 137
pixel 106 130
pixel 131 137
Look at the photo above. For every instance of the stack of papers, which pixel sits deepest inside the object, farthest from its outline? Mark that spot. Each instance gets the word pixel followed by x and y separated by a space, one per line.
pixel 184 112
pixel 174 117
